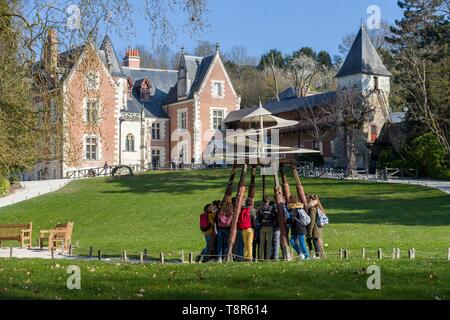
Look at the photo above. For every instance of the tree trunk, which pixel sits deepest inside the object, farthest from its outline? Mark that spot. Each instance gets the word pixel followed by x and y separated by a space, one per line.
pixel 351 152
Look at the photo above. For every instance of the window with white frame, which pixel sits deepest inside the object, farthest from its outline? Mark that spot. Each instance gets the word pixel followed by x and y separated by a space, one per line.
pixel 217 89
pixel 91 112
pixel 217 118
pixel 182 125
pixel 91 148
pixel 156 131
pixel 92 80
pixel 129 143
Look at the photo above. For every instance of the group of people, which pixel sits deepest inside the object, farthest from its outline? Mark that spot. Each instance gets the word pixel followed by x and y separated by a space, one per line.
pixel 258 234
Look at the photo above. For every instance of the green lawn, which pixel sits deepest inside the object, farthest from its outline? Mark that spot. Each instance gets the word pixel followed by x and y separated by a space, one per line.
pixel 327 279
pixel 160 212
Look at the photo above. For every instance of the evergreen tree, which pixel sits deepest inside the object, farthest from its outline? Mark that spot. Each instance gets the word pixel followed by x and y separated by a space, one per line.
pixel 422 65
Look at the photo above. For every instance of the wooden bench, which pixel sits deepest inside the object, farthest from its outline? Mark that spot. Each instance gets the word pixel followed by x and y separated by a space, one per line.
pixel 60 236
pixel 17 232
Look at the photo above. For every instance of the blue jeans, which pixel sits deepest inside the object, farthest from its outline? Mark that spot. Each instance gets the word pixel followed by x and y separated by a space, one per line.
pixel 222 242
pixel 299 244
pixel 239 245
pixel 207 250
pixel 276 243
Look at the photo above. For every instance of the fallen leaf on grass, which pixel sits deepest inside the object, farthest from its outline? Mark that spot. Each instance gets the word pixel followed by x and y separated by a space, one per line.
pixel 432 276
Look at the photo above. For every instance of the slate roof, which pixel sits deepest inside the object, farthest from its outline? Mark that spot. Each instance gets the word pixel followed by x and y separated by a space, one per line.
pixel 287 105
pixel 109 57
pixel 196 69
pixel 161 81
pixel 363 58
pixel 197 72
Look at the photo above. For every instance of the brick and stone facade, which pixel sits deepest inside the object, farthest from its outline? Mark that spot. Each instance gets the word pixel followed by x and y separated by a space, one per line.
pixel 116 112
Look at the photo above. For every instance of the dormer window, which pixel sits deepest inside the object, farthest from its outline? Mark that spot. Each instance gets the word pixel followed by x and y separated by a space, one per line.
pixel 145 91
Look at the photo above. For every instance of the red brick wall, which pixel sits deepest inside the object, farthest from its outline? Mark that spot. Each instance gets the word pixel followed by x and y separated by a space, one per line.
pixel 208 101
pixel 173 115
pixel 105 129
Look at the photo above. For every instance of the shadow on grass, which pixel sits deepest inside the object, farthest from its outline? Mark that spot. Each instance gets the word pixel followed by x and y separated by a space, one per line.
pixel 431 211
pixel 347 201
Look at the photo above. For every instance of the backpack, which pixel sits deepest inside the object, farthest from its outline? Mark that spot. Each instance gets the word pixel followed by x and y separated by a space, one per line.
pixel 321 219
pixel 224 221
pixel 205 225
pixel 302 217
pixel 267 216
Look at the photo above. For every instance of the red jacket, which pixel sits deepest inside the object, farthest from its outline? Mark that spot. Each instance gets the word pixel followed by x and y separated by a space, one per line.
pixel 244 221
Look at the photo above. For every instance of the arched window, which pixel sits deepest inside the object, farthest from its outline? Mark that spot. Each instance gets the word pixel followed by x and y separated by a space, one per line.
pixel 129 143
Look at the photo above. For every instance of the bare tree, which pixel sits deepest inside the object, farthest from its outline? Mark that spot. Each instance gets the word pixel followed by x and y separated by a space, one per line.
pixel 303 69
pixel 204 48
pixel 239 56
pixel 350 113
pixel 377 36
pixel 273 73
pixel 417 74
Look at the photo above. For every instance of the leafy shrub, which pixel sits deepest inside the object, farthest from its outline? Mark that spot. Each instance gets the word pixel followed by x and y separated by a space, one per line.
pixel 4 187
pixel 429 154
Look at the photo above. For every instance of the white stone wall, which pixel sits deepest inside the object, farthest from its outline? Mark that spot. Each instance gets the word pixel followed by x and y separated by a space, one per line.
pixel 364 82
pixel 131 157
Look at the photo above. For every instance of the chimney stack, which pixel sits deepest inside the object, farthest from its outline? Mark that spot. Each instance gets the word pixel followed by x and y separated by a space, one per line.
pixel 132 59
pixel 51 52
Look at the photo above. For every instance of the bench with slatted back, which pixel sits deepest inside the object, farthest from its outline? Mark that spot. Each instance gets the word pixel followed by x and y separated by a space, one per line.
pixel 60 236
pixel 17 232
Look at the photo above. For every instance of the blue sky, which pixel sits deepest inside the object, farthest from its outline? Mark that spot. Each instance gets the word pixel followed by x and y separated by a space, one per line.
pixel 264 24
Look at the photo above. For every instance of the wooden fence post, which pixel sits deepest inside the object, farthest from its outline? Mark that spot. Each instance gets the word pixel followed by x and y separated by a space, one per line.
pixel 161 256
pixel 182 256
pixel 70 250
pixel 124 255
pixel 341 253
pixel 10 252
pixel 145 253
pixel 394 253
pixel 141 258
pixel 380 254
pixel 90 251
pixel 363 253
pixel 410 254
pixel 52 252
pixel 99 254
pixel 191 257
pixel 345 254
pixel 398 253
pixel 413 251
pixel 448 255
